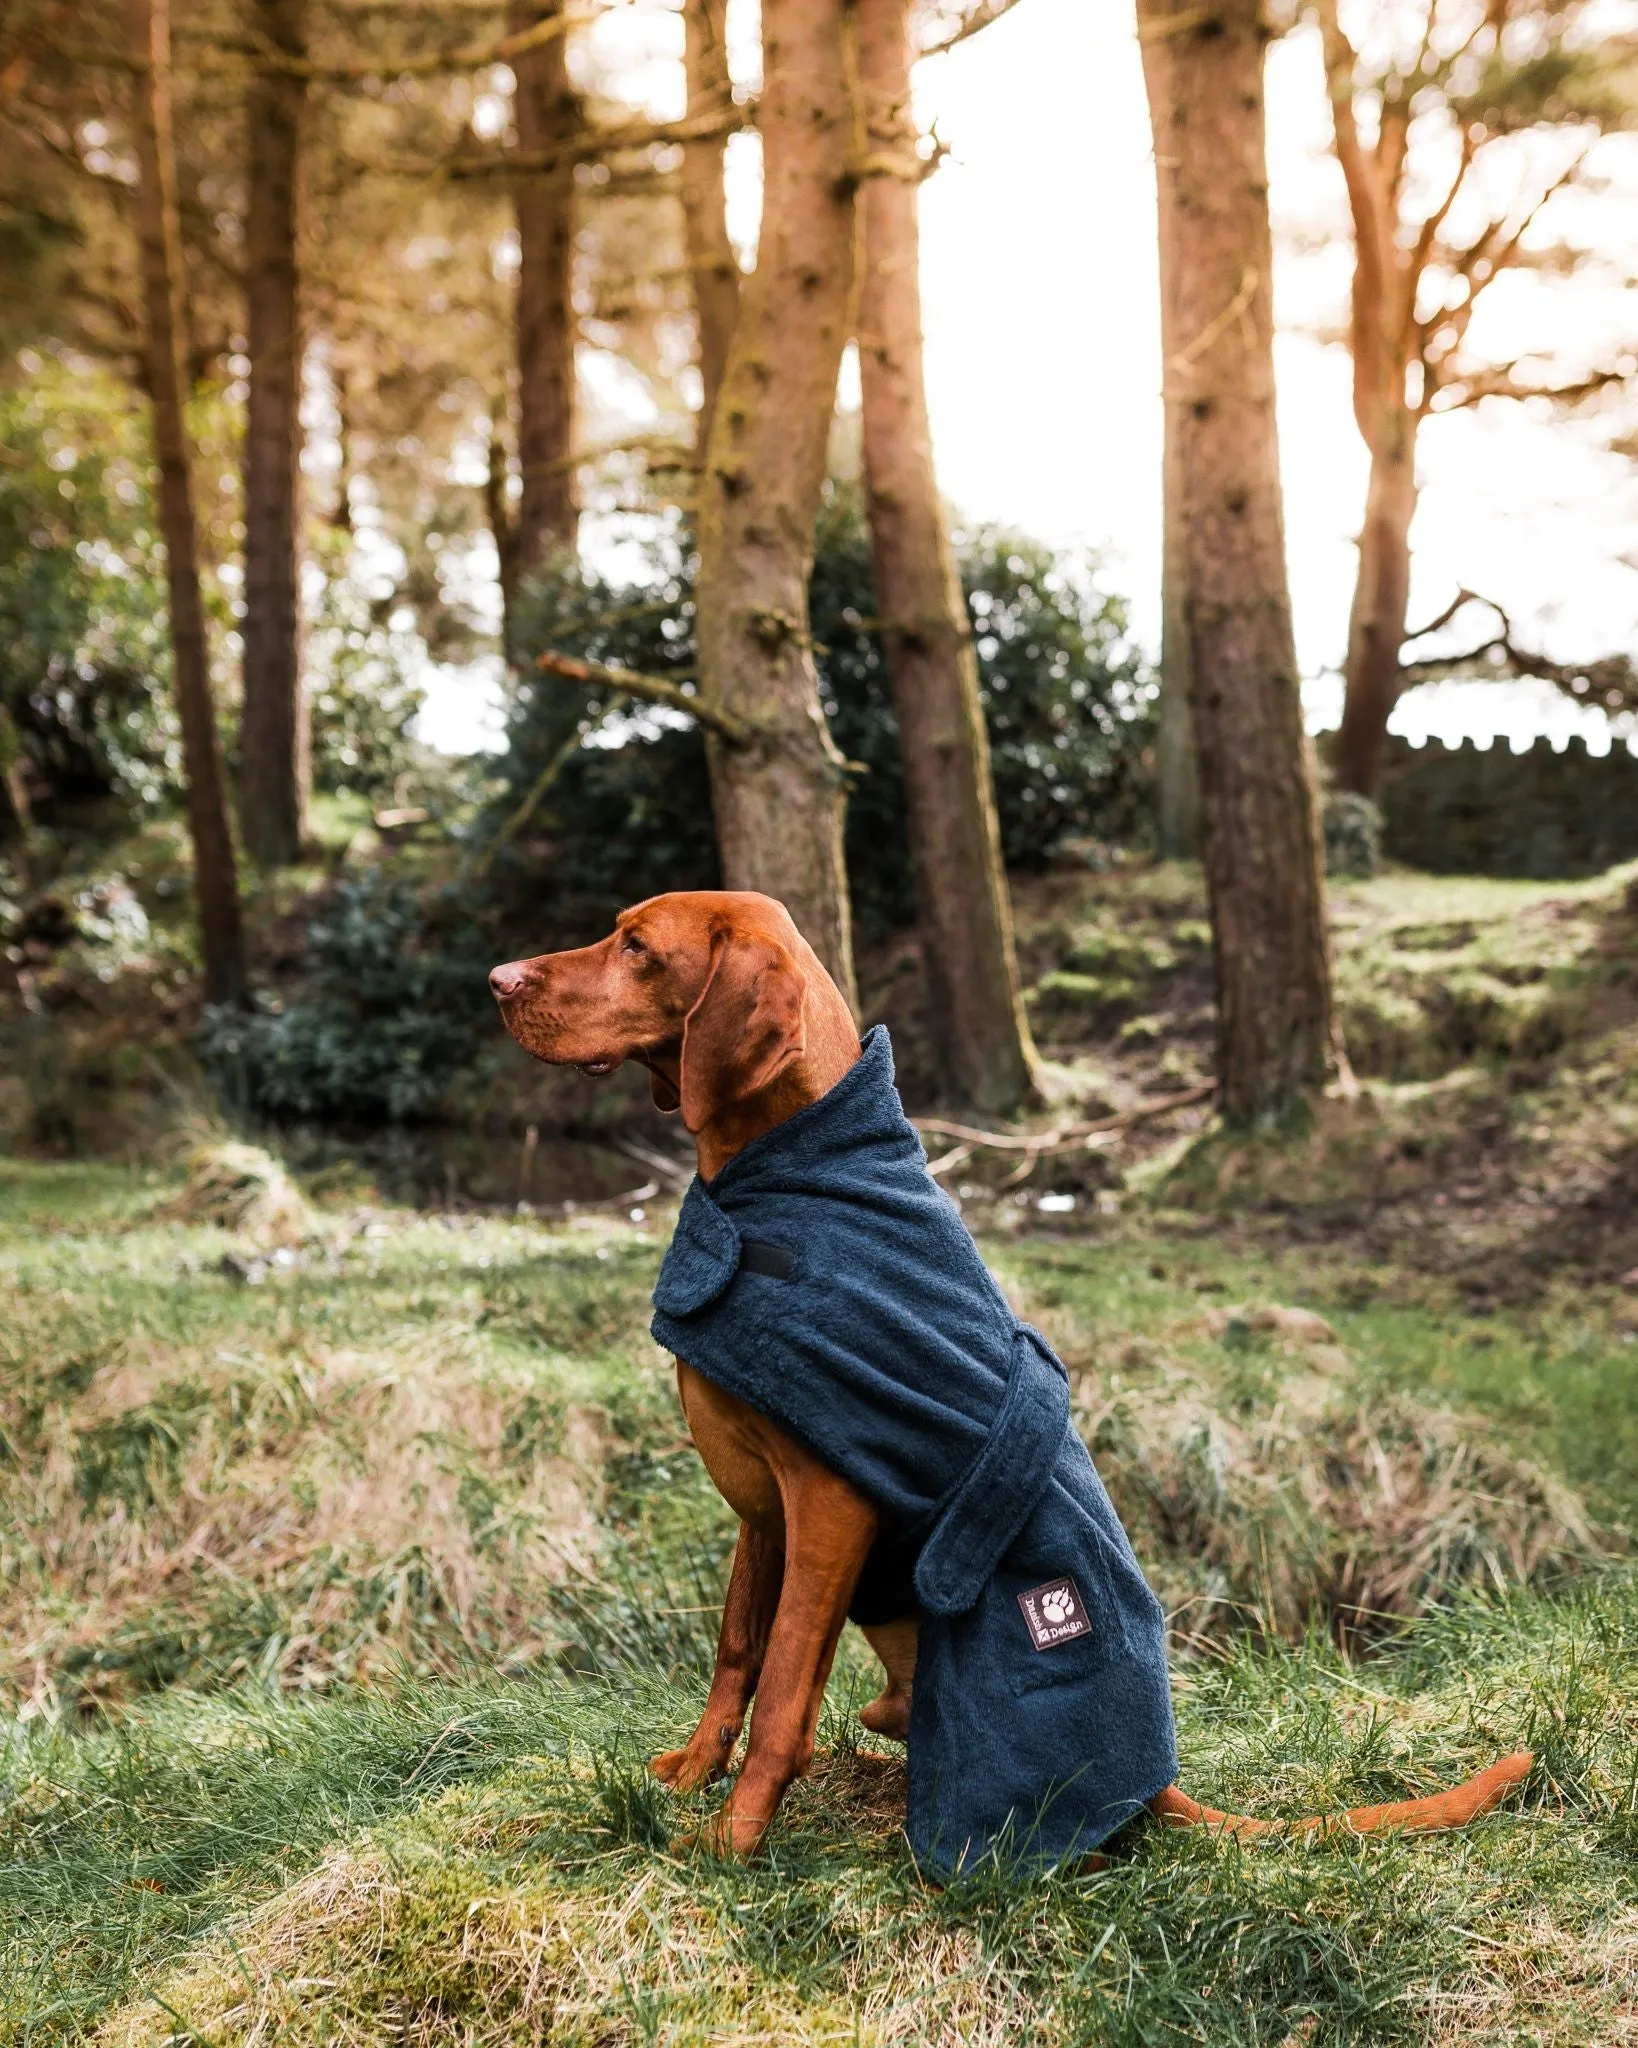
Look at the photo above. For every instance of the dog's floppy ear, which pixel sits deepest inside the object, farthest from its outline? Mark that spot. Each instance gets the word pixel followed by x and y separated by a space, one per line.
pixel 744 1030
pixel 661 1093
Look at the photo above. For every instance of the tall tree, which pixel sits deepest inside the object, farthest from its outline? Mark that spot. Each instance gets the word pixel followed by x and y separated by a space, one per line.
pixel 1418 122
pixel 974 1003
pixel 1276 1042
pixel 215 879
pixel 713 266
pixel 1179 785
pixel 273 769
pixel 778 795
pixel 547 114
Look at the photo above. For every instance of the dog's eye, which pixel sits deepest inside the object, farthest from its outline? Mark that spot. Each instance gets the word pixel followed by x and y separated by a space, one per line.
pixel 630 943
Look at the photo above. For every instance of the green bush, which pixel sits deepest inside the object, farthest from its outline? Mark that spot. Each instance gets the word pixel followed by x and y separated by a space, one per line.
pixel 1352 827
pixel 85 675
pixel 394 986
pixel 85 682
pixel 1067 701
pixel 361 686
pixel 629 814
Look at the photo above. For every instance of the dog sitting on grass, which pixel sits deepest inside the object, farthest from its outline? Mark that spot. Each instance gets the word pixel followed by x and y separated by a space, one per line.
pixel 896 1444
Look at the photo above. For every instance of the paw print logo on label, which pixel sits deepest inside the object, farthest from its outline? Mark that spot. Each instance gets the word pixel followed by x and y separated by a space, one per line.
pixel 1054 1613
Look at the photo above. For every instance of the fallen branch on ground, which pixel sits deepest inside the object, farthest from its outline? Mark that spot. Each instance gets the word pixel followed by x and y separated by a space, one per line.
pixel 1034 1145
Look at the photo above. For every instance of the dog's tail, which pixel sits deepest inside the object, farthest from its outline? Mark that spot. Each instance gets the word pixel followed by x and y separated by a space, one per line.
pixel 1452 1809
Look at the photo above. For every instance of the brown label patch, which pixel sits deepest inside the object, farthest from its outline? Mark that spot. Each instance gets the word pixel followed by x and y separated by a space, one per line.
pixel 1054 1614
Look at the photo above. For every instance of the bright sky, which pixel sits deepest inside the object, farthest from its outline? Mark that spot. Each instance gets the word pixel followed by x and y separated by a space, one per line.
pixel 1039 288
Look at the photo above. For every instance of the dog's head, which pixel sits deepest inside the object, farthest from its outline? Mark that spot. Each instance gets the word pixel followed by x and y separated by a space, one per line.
pixel 704 988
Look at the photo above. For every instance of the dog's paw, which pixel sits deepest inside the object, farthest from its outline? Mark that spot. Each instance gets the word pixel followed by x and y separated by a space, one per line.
pixel 686 1770
pixel 888 1714
pixel 726 1834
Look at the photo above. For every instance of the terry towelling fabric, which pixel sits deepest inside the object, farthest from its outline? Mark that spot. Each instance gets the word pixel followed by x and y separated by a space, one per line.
pixel 825 1279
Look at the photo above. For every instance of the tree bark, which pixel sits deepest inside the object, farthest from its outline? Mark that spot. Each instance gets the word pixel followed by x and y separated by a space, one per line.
pixel 1276 1039
pixel 974 1004
pixel 13 784
pixel 1385 341
pixel 1179 782
pixel 712 264
pixel 546 110
pixel 1179 785
pixel 274 726
pixel 1377 620
pixel 341 512
pixel 502 525
pixel 215 880
pixel 778 799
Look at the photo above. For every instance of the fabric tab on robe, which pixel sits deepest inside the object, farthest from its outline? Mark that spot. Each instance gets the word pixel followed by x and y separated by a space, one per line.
pixel 866 1324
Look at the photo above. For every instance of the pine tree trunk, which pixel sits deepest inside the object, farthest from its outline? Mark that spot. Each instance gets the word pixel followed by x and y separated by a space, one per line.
pixel 12 783
pixel 1177 775
pixel 1259 819
pixel 274 726
pixel 341 511
pixel 547 112
pixel 712 264
pixel 502 525
pixel 965 914
pixel 215 880
pixel 1376 623
pixel 1179 785
pixel 778 800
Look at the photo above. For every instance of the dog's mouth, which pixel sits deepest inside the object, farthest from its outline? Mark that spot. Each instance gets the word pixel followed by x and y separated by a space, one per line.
pixel 594 1070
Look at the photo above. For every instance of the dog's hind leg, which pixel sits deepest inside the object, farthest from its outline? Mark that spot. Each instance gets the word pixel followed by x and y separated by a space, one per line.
pixel 895 1643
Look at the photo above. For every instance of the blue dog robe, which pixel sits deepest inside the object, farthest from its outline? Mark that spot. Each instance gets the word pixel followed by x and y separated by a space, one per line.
pixel 825 1279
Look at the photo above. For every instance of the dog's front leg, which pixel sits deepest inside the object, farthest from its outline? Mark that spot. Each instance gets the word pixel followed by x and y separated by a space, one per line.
pixel 828 1532
pixel 742 1643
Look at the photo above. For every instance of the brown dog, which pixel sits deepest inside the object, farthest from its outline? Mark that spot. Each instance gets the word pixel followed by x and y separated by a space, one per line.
pixel 722 1000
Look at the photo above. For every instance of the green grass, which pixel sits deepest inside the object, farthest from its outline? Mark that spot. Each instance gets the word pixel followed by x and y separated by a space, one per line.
pixel 340 1612
pixel 1558 1376
pixel 489 1864
pixel 344 1596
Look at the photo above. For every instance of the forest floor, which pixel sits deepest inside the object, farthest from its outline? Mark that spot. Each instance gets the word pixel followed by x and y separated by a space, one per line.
pixel 353 1561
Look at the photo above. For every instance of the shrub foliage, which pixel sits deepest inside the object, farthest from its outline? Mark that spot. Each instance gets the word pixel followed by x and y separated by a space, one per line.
pixel 394 984
pixel 1067 700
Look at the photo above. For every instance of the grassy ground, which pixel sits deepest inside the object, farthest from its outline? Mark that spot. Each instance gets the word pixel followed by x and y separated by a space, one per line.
pixel 352 1561
pixel 261 1538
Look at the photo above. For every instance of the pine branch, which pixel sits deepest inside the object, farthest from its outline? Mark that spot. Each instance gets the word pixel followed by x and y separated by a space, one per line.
pixel 253 53
pixel 586 146
pixel 1502 383
pixel 1494 256
pixel 1610 681
pixel 978 17
pixel 537 791
pixel 652 689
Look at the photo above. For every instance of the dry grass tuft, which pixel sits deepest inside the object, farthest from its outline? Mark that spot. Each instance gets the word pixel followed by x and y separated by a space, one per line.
pixel 242 1188
pixel 1317 1503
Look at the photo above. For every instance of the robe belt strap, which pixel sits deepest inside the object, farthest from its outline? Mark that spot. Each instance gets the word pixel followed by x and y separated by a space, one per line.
pixel 982 1515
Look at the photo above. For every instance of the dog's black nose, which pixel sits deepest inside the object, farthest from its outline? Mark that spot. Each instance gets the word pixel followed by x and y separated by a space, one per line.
pixel 505 982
